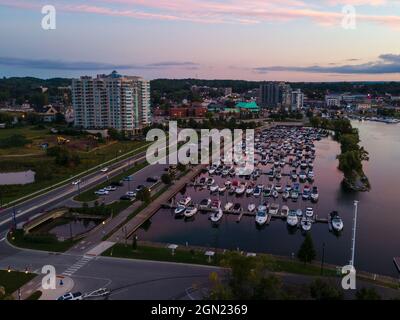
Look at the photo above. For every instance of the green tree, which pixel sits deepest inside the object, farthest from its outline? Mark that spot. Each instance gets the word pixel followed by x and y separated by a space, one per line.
pixel 166 178
pixel 144 195
pixel 367 294
pixel 323 290
pixel 307 252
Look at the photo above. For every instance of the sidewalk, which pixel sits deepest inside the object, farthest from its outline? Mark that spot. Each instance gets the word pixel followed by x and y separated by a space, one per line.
pixel 129 228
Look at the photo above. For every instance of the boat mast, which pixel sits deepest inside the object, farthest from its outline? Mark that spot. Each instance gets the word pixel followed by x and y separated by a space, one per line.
pixel 353 240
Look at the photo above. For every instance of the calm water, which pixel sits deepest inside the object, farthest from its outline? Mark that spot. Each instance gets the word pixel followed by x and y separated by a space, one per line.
pixel 378 234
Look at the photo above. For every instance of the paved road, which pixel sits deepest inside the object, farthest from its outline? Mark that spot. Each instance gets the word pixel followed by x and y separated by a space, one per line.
pixel 128 279
pixel 58 196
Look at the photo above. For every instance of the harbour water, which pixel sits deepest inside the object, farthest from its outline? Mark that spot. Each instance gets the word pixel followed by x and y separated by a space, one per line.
pixel 378 236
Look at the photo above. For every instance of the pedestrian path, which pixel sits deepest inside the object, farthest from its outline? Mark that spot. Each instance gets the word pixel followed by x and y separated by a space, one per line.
pixel 78 265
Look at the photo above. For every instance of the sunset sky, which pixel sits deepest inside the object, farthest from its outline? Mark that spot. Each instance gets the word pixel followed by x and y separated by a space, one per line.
pixel 292 40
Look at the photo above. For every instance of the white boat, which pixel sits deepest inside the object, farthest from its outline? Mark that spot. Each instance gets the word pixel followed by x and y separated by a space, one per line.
pixel 216 216
pixel 240 189
pixel 336 222
pixel 275 194
pixel 292 219
pixel 257 192
pixel 274 209
pixel 205 204
pixel 284 211
pixel 190 211
pixel 249 190
pixel 278 188
pixel 179 210
pixel 222 189
pixel 261 217
pixel 299 212
pixel 228 206
pixel 314 194
pixel 286 195
pixel 251 207
pixel 294 195
pixel 309 212
pixel 306 224
pixel 228 184
pixel 185 201
pixel 210 182
pixel 214 188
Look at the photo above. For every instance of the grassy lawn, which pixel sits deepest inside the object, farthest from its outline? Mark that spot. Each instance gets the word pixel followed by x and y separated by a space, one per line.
pixel 198 257
pixel 48 173
pixel 35 296
pixel 89 195
pixel 18 239
pixel 159 254
pixel 13 280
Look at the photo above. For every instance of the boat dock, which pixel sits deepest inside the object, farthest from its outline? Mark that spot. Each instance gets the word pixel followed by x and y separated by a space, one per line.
pixel 396 261
pixel 242 213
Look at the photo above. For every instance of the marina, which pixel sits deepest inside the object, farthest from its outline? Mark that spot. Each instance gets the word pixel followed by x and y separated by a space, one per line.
pixel 275 235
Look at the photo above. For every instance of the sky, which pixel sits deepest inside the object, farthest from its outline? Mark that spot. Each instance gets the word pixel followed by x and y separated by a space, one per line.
pixel 281 40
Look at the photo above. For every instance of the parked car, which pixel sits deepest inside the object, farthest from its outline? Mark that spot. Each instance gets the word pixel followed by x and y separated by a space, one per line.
pixel 139 187
pixel 117 183
pixel 125 197
pixel 128 178
pixel 71 296
pixel 153 179
pixel 110 188
pixel 104 170
pixel 101 192
pixel 131 194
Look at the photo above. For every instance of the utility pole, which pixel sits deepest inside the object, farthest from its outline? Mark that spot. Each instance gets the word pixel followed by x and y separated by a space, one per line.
pixel 353 240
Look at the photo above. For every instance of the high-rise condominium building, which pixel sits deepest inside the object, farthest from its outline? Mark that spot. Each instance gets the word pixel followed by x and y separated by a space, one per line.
pixel 111 101
pixel 270 94
pixel 297 100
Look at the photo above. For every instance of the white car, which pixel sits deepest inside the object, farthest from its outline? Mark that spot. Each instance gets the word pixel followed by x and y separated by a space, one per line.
pixel 110 188
pixel 104 170
pixel 74 183
pixel 131 194
pixel 71 296
pixel 101 192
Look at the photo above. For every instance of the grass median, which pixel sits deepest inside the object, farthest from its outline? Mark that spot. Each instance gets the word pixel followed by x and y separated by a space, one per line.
pixel 13 280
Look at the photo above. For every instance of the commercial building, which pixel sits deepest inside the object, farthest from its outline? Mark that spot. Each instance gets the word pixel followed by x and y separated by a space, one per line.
pixel 111 101
pixel 297 100
pixel 270 94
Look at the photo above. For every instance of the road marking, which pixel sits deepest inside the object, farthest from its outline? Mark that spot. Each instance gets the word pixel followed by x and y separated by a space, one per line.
pixel 76 266
pixel 2 239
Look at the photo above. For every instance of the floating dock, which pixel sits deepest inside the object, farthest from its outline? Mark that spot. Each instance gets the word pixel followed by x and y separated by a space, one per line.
pixel 242 213
pixel 396 261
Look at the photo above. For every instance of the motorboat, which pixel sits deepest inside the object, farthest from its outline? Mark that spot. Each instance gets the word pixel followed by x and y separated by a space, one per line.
pixel 286 195
pixel 292 219
pixel 314 194
pixel 240 189
pixel 274 209
pixel 237 207
pixel 299 212
pixel 310 176
pixel 278 188
pixel 302 176
pixel 216 216
pixel 261 217
pixel 336 221
pixel 284 211
pixel 257 192
pixel 294 195
pixel 216 205
pixel 228 206
pixel 204 204
pixel 275 194
pixel 251 207
pixel 306 224
pixel 249 190
pixel 228 184
pixel 190 211
pixel 288 188
pixel 214 188
pixel 210 182
pixel 185 201
pixel 180 209
pixel 262 207
pixel 309 212
pixel 222 189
